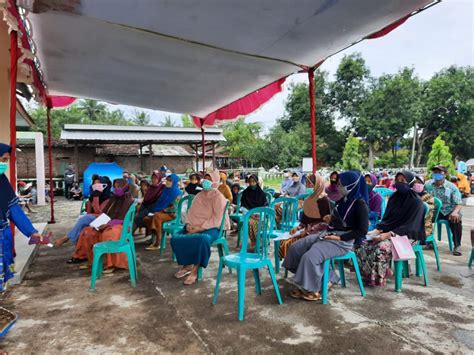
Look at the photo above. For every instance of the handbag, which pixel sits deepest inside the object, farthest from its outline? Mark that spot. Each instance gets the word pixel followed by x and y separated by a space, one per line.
pixel 401 248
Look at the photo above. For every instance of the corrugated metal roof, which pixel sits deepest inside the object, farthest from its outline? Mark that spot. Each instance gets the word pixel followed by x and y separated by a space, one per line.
pixel 138 134
pixel 168 150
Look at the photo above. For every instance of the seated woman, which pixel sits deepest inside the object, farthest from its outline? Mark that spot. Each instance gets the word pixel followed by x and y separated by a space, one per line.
pixel 76 192
pixel 224 189
pixel 144 186
pixel 332 189
pixel 404 216
pixel 349 221
pixel 252 197
pixel 235 189
pixel 315 217
pixel 163 211
pixel 152 194
pixel 419 188
pixel 194 186
pixel 375 203
pixel 116 208
pixel 202 223
pixel 296 187
pixel 98 199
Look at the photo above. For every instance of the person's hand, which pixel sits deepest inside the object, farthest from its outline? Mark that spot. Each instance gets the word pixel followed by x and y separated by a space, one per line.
pixel 190 228
pixel 374 232
pixel 332 237
pixel 37 236
pixel 294 230
pixel 455 217
pixel 327 219
pixel 382 237
pixel 102 227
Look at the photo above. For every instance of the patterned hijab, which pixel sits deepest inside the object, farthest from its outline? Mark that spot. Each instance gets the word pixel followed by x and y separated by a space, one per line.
pixel 310 205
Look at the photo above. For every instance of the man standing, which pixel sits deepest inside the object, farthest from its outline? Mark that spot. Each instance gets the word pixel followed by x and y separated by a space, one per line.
pixel 449 194
pixel 69 179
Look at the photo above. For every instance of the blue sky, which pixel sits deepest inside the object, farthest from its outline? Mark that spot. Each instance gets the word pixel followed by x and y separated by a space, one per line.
pixel 437 38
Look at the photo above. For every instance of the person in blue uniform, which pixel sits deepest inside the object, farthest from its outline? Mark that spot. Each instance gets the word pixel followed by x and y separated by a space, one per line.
pixel 10 210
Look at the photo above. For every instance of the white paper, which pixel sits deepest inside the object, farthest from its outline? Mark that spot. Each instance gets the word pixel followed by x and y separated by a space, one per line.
pixel 198 188
pixel 369 237
pixel 287 235
pixel 99 221
pixel 151 214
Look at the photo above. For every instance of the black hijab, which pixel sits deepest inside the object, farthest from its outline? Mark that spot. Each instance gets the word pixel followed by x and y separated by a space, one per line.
pixel 191 188
pixel 253 197
pixel 7 195
pixel 105 194
pixel 405 213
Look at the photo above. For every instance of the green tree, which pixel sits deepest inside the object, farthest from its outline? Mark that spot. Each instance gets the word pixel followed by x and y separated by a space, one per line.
pixel 242 139
pixel 141 118
pixel 93 110
pixel 168 122
pixel 351 156
pixel 59 118
pixel 440 155
pixel 186 121
pixel 114 118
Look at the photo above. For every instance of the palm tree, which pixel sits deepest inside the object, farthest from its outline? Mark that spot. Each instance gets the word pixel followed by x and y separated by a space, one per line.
pixel 141 118
pixel 92 109
pixel 168 122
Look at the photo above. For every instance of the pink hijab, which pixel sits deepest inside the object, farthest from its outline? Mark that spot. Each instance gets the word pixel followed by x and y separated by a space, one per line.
pixel 208 207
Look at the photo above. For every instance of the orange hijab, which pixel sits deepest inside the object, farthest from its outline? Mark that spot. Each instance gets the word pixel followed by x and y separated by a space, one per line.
pixel 310 205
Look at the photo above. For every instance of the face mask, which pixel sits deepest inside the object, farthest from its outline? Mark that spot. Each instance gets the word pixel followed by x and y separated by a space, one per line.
pixel 3 168
pixel 343 190
pixel 402 187
pixel 207 185
pixel 119 191
pixel 333 182
pixel 418 188
pixel 370 187
pixel 438 176
pixel 253 187
pixel 98 187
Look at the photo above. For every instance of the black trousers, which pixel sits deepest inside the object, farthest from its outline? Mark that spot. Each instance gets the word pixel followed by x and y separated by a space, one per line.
pixel 456 228
pixel 67 188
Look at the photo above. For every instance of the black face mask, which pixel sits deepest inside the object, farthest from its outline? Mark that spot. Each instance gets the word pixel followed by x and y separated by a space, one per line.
pixel 333 182
pixel 402 187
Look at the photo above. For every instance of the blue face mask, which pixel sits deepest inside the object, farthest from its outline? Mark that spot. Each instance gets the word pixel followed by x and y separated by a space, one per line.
pixel 206 185
pixel 438 176
pixel 3 168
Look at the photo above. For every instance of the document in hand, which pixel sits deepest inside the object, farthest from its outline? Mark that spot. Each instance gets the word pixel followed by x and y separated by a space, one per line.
pixel 99 221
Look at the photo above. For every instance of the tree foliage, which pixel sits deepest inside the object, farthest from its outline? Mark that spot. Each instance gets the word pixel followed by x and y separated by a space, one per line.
pixel 141 118
pixel 440 155
pixel 351 157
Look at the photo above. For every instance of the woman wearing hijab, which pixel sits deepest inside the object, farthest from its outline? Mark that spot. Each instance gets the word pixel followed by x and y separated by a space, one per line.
pixel 349 221
pixel 98 199
pixel 332 189
pixel 419 188
pixel 144 186
pixel 193 187
pixel 315 217
pixel 296 188
pixel 463 185
pixel 116 208
pixel 10 210
pixel 203 221
pixel 163 210
pixel 152 195
pixel 375 203
pixel 224 189
pixel 404 215
pixel 235 189
pixel 253 197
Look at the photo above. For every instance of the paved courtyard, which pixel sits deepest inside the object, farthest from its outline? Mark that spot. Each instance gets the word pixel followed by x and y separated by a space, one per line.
pixel 57 313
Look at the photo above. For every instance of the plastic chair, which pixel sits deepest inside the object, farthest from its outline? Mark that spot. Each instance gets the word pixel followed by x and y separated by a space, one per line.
pixel 220 242
pixel 244 260
pixel 270 190
pixel 340 262
pixel 440 224
pixel 289 206
pixel 269 197
pixel 83 207
pixel 175 225
pixel 401 266
pixel 385 193
pixel 237 217
pixel 431 239
pixel 124 245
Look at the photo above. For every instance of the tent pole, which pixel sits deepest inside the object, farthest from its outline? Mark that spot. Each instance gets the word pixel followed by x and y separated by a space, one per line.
pixel 50 155
pixel 13 77
pixel 203 146
pixel 312 116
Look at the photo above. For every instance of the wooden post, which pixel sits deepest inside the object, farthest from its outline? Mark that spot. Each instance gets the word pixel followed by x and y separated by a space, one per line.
pixel 197 157
pixel 214 164
pixel 142 168
pixel 150 159
pixel 76 160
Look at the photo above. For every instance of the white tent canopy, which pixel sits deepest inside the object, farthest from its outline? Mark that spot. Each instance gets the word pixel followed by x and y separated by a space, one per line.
pixel 193 56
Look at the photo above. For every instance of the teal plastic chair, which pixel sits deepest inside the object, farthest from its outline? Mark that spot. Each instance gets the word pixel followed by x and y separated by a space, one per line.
pixel 440 223
pixel 402 266
pixel 237 217
pixel 174 226
pixel 270 190
pixel 340 262
pixel 124 245
pixel 431 239
pixel 269 197
pixel 83 207
pixel 220 242
pixel 385 193
pixel 244 260
pixel 289 206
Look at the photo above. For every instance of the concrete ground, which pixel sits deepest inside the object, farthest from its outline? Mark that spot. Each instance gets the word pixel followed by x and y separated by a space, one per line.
pixel 57 313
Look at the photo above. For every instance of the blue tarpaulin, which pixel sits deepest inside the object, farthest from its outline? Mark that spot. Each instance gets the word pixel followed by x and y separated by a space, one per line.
pixel 112 170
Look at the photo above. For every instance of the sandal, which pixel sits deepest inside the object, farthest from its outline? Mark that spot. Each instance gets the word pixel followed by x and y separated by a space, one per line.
pixel 312 296
pixel 84 267
pixel 297 294
pixel 108 271
pixel 190 280
pixel 76 261
pixel 152 247
pixel 182 273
